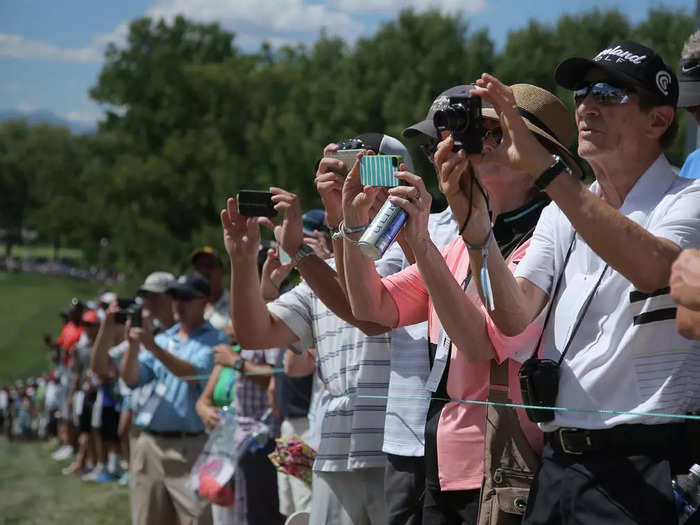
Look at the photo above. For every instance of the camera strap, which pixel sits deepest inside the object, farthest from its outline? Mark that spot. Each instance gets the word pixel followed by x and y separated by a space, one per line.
pixel 554 298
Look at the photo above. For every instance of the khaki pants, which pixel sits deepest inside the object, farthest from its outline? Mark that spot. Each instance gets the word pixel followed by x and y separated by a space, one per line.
pixel 159 481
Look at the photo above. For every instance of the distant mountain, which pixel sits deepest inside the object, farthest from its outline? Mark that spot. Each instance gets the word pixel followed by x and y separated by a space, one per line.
pixel 43 115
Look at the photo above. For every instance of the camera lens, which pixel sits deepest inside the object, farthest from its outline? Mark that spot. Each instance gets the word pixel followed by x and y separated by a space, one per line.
pixel 453 118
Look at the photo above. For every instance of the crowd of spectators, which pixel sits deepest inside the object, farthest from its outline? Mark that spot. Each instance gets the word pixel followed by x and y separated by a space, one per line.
pixel 407 375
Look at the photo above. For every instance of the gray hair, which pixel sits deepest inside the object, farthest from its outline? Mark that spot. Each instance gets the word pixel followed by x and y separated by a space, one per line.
pixel 691 48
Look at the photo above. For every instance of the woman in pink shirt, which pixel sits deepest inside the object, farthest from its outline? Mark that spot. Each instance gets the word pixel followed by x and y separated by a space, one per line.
pixel 438 288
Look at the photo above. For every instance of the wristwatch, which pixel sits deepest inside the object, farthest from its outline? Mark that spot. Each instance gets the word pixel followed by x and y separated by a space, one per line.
pixel 548 175
pixel 239 364
pixel 302 252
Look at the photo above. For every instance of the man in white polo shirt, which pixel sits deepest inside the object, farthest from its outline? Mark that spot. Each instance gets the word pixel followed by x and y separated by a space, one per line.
pixel 611 325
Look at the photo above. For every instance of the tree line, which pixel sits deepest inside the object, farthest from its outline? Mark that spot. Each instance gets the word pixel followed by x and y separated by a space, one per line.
pixel 194 118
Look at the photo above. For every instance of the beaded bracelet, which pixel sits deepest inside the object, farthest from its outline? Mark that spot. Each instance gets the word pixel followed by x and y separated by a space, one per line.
pixel 344 233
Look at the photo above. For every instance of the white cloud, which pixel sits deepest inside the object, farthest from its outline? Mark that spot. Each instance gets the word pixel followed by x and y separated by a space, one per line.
pixel 83 116
pixel 16 46
pixel 444 6
pixel 27 107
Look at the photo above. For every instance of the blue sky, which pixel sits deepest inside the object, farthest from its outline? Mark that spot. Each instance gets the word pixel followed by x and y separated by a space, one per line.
pixel 51 52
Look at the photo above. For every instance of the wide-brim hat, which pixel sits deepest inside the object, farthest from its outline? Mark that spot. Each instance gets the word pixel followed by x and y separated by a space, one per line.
pixel 546 116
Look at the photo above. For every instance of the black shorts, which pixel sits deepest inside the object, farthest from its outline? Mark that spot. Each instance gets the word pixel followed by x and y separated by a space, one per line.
pixel 85 418
pixel 110 424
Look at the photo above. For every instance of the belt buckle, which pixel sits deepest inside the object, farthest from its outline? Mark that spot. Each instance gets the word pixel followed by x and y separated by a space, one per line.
pixel 562 441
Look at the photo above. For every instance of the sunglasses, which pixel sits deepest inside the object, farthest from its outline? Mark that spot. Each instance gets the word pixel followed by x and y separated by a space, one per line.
pixel 603 93
pixel 429 148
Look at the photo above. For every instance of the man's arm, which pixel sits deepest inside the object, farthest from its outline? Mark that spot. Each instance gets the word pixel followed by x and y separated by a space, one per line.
pixel 100 361
pixel 130 369
pixel 253 324
pixel 320 277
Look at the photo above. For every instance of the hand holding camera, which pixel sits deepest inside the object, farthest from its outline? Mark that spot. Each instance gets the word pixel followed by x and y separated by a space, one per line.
pixel 358 199
pixel 329 180
pixel 519 148
pixel 289 233
pixel 415 200
pixel 241 233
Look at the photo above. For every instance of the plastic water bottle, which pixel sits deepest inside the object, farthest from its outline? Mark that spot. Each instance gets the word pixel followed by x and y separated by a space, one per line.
pixel 685 493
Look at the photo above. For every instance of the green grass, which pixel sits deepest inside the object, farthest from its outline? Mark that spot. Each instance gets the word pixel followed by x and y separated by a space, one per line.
pixel 46 251
pixel 29 308
pixel 33 491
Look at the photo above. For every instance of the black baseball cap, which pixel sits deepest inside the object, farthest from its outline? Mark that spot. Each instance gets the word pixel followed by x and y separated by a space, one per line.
pixel 629 63
pixel 189 286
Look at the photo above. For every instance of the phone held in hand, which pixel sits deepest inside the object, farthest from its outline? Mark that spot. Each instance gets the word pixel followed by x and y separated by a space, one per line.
pixel 255 203
pixel 348 156
pixel 378 170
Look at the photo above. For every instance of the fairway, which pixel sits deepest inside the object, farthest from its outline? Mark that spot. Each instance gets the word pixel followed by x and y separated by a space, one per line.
pixel 30 307
pixel 33 491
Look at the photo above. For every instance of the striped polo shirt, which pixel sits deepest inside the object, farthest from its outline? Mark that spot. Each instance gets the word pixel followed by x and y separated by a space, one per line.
pixel 350 364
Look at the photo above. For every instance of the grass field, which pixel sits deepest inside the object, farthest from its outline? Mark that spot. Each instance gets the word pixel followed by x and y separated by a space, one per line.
pixel 33 491
pixel 29 307
pixel 46 251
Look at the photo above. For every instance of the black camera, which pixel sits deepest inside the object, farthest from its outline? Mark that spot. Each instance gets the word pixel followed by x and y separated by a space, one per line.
pixel 461 116
pixel 539 385
pixel 128 309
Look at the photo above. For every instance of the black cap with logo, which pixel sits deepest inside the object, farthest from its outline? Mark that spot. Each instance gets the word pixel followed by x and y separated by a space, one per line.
pixel 629 63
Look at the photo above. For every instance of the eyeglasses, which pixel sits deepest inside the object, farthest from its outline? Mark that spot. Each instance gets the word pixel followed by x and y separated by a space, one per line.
pixel 429 148
pixel 603 93
pixel 495 133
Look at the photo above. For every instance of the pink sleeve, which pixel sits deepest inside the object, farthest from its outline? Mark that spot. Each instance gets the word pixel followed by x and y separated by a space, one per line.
pixel 408 291
pixel 522 344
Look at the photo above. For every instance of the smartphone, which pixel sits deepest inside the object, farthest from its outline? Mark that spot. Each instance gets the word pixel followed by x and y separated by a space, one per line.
pixel 348 156
pixel 255 203
pixel 378 170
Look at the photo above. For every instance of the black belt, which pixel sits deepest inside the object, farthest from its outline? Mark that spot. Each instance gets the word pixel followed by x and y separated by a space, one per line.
pixel 172 434
pixel 628 440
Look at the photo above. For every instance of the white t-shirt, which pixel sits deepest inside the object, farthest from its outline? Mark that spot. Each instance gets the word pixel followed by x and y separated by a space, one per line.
pixel 350 364
pixel 627 354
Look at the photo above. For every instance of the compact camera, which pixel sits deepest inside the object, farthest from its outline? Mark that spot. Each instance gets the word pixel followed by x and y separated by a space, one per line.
pixel 461 116
pixel 539 385
pixel 128 309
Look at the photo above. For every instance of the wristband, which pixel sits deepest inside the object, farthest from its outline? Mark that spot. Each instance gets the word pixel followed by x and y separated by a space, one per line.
pixel 486 290
pixel 302 252
pixel 344 233
pixel 548 175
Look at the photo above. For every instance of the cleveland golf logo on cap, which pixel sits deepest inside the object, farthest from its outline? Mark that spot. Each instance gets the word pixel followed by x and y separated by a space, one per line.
pixel 663 81
pixel 618 54
pixel 440 103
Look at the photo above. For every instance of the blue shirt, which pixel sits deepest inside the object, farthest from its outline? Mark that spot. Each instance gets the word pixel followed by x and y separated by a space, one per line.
pixel 691 168
pixel 175 411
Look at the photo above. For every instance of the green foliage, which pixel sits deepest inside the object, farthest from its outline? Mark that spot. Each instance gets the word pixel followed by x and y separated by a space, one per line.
pixel 192 120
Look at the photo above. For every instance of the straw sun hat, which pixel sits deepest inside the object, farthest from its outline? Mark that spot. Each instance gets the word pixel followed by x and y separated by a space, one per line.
pixel 545 115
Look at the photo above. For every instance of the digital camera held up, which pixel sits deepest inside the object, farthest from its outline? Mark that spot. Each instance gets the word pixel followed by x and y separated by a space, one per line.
pixel 129 309
pixel 461 116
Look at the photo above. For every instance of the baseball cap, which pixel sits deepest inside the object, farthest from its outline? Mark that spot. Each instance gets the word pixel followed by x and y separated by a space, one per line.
pixel 630 63
pixel 156 282
pixel 90 317
pixel 189 286
pixel 689 83
pixel 205 250
pixel 313 220
pixel 107 297
pixel 383 144
pixel 426 126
